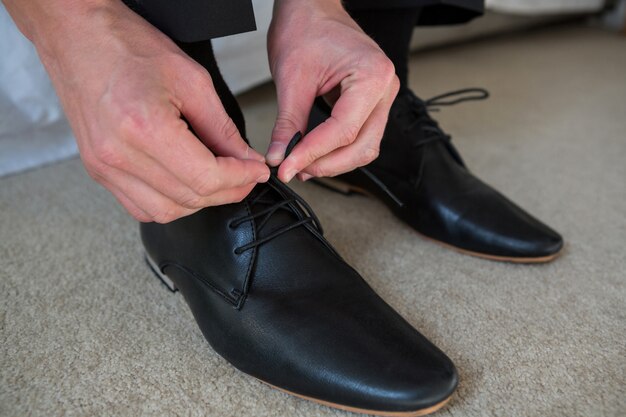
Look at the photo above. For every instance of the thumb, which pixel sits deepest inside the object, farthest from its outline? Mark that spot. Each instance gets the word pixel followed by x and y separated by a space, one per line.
pixel 294 106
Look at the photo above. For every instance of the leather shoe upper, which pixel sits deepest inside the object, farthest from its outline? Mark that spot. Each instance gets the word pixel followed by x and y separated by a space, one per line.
pixel 422 178
pixel 275 299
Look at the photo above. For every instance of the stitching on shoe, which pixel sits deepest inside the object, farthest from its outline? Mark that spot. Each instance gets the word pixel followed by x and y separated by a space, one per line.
pixel 246 282
pixel 218 291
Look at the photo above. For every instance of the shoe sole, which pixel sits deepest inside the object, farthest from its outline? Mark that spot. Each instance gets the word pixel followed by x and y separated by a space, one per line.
pixel 347 190
pixel 422 412
pixel 416 413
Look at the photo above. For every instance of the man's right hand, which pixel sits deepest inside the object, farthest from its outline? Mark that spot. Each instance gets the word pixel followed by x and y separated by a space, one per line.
pixel 124 87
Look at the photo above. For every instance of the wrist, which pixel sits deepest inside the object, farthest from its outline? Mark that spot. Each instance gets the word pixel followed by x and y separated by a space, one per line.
pixel 310 6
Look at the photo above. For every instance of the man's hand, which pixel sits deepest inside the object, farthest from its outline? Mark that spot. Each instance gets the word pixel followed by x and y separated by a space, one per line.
pixel 316 49
pixel 124 86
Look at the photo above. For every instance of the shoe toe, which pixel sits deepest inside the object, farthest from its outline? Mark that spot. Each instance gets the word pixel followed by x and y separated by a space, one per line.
pixel 430 389
pixel 516 239
pixel 493 225
pixel 410 375
pixel 415 389
pixel 547 243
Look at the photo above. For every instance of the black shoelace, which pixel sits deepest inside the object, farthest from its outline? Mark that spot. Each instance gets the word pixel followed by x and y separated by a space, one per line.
pixel 420 108
pixel 285 199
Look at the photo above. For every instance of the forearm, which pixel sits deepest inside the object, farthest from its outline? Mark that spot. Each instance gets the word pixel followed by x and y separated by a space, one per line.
pixel 50 23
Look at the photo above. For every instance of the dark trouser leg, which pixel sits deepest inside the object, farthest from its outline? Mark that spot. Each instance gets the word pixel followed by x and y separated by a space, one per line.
pixel 392 30
pixel 202 52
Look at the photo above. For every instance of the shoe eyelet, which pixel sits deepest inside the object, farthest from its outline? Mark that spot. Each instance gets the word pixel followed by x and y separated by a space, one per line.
pixel 237 251
pixel 231 224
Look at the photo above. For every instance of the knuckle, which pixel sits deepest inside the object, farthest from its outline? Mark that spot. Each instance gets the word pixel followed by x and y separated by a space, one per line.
pixel 94 169
pixel 286 121
pixel 142 218
pixel 369 155
pixel 318 171
pixel 228 130
pixel 348 134
pixel 167 214
pixel 202 80
pixel 387 69
pixel 382 71
pixel 133 124
pixel 395 85
pixel 206 184
pixel 192 201
pixel 107 153
pixel 137 214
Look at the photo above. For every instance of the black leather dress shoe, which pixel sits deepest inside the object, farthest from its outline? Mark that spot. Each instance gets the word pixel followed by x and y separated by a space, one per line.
pixel 273 297
pixel 421 177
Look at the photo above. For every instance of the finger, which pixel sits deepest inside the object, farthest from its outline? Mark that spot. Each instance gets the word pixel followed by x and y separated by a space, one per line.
pixel 233 173
pixel 363 151
pixel 341 129
pixel 156 206
pixel 132 209
pixel 232 195
pixel 185 199
pixel 204 110
pixel 294 107
pixel 182 154
pixel 160 178
pixel 147 204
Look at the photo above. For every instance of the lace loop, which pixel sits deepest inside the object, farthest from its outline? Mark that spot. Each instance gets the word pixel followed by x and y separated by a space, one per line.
pixel 289 200
pixel 464 93
pixel 420 110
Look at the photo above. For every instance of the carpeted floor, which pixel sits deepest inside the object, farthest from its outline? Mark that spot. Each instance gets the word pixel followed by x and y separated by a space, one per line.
pixel 86 329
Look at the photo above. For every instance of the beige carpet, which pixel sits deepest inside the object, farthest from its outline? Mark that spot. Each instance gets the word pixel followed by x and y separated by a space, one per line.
pixel 85 328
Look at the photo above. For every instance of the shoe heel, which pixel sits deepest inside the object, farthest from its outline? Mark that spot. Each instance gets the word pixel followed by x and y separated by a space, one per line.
pixel 160 275
pixel 338 186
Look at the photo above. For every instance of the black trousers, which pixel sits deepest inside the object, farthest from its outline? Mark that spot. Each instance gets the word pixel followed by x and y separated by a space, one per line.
pixel 199 20
pixel 193 23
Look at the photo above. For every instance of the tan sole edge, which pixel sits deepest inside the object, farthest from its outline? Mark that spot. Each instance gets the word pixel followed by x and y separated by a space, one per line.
pixel 345 188
pixel 538 260
pixel 416 413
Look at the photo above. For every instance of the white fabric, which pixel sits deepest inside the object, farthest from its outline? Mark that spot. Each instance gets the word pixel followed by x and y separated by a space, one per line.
pixel 33 128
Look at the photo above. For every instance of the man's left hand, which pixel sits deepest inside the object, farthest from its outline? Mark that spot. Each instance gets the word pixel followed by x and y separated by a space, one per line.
pixel 316 49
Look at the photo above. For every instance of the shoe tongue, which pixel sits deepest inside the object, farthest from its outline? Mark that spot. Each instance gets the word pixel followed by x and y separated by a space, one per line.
pixel 413 108
pixel 401 153
pixel 406 97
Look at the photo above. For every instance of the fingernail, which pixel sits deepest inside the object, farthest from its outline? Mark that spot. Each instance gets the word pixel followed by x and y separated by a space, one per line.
pixel 275 153
pixel 305 177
